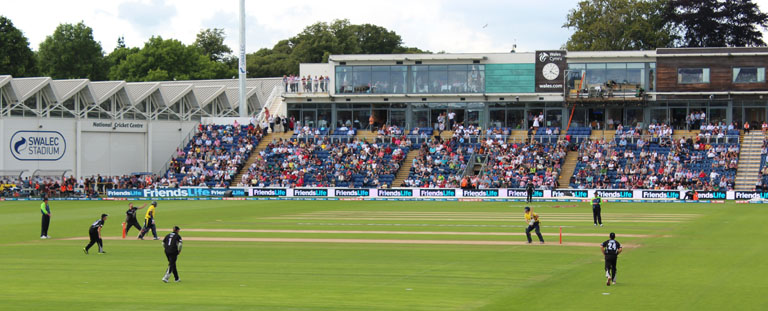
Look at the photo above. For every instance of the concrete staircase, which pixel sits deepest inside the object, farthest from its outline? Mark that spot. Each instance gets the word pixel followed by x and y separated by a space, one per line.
pixel 518 136
pixel 405 169
pixel 568 168
pixel 749 161
pixel 608 135
pixel 366 135
pixel 254 155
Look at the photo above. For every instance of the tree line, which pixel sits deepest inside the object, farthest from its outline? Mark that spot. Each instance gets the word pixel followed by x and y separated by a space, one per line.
pixel 649 24
pixel 71 51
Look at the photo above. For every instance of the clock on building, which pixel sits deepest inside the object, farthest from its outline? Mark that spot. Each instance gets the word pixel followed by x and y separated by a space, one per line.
pixel 550 71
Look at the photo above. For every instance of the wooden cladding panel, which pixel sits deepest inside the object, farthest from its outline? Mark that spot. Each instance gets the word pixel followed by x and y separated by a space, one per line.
pixel 720 73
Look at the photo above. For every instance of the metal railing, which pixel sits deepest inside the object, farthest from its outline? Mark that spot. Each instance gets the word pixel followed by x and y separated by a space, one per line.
pixel 277 90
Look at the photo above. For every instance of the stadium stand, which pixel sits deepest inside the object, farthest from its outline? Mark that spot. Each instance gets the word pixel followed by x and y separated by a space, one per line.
pixel 214 155
pixel 515 165
pixel 322 163
pixel 653 160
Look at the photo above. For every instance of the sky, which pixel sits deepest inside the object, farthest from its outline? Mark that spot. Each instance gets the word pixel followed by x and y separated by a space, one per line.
pixel 452 26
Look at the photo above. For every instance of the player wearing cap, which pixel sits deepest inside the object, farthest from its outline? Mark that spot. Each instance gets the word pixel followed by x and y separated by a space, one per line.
pixel 597 216
pixel 130 218
pixel 172 244
pixel 95 232
pixel 611 250
pixel 46 210
pixel 149 222
pixel 532 219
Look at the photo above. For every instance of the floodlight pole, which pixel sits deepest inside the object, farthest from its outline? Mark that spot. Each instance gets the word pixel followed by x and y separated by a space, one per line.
pixel 241 62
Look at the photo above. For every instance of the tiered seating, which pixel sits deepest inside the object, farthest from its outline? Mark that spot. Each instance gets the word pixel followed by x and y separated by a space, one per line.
pixel 322 163
pixel 654 165
pixel 307 132
pixel 515 165
pixel 578 134
pixel 498 133
pixel 213 156
pixel 440 164
pixel 547 135
pixel 343 134
pixel 719 133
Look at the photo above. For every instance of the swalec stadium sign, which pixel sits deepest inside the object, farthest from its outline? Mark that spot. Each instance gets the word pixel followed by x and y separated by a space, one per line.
pixel 38 145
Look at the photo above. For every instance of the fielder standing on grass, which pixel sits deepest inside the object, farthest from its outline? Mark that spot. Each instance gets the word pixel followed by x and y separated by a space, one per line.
pixel 95 233
pixel 172 244
pixel 532 219
pixel 529 192
pixel 130 219
pixel 149 222
pixel 611 250
pixel 596 212
pixel 46 210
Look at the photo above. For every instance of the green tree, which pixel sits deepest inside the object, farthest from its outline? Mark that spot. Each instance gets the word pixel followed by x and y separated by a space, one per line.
pixel 16 58
pixel 71 52
pixel 320 40
pixel 211 43
pixel 713 23
pixel 169 59
pixel 118 55
pixel 619 25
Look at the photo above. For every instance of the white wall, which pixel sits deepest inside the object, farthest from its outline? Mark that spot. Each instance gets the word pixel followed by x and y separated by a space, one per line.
pixel 165 138
pixel 102 150
pixel 64 127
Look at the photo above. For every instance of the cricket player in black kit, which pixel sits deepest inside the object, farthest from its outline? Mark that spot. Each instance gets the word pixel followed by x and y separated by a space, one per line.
pixel 597 216
pixel 529 192
pixel 172 244
pixel 95 232
pixel 130 218
pixel 611 249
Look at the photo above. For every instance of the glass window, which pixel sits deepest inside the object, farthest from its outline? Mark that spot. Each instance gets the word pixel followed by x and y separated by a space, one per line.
pixel 717 115
pixel 692 75
pixel 421 118
pixel 616 73
pixel 748 74
pixel 438 80
pixel 516 119
pixel 497 118
pixel 343 79
pixel 362 79
pixel 579 117
pixel 659 115
pixel 477 78
pixel 636 75
pixel 554 117
pixel 595 75
pixel 651 76
pixel 575 72
pixel 344 117
pixel 324 118
pixel 398 76
pixel 420 79
pixel 397 117
pixel 457 82
pixel 360 118
pixel 380 80
pixel 634 117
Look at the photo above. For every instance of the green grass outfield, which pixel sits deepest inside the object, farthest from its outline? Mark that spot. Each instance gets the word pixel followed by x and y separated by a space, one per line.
pixel 386 255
